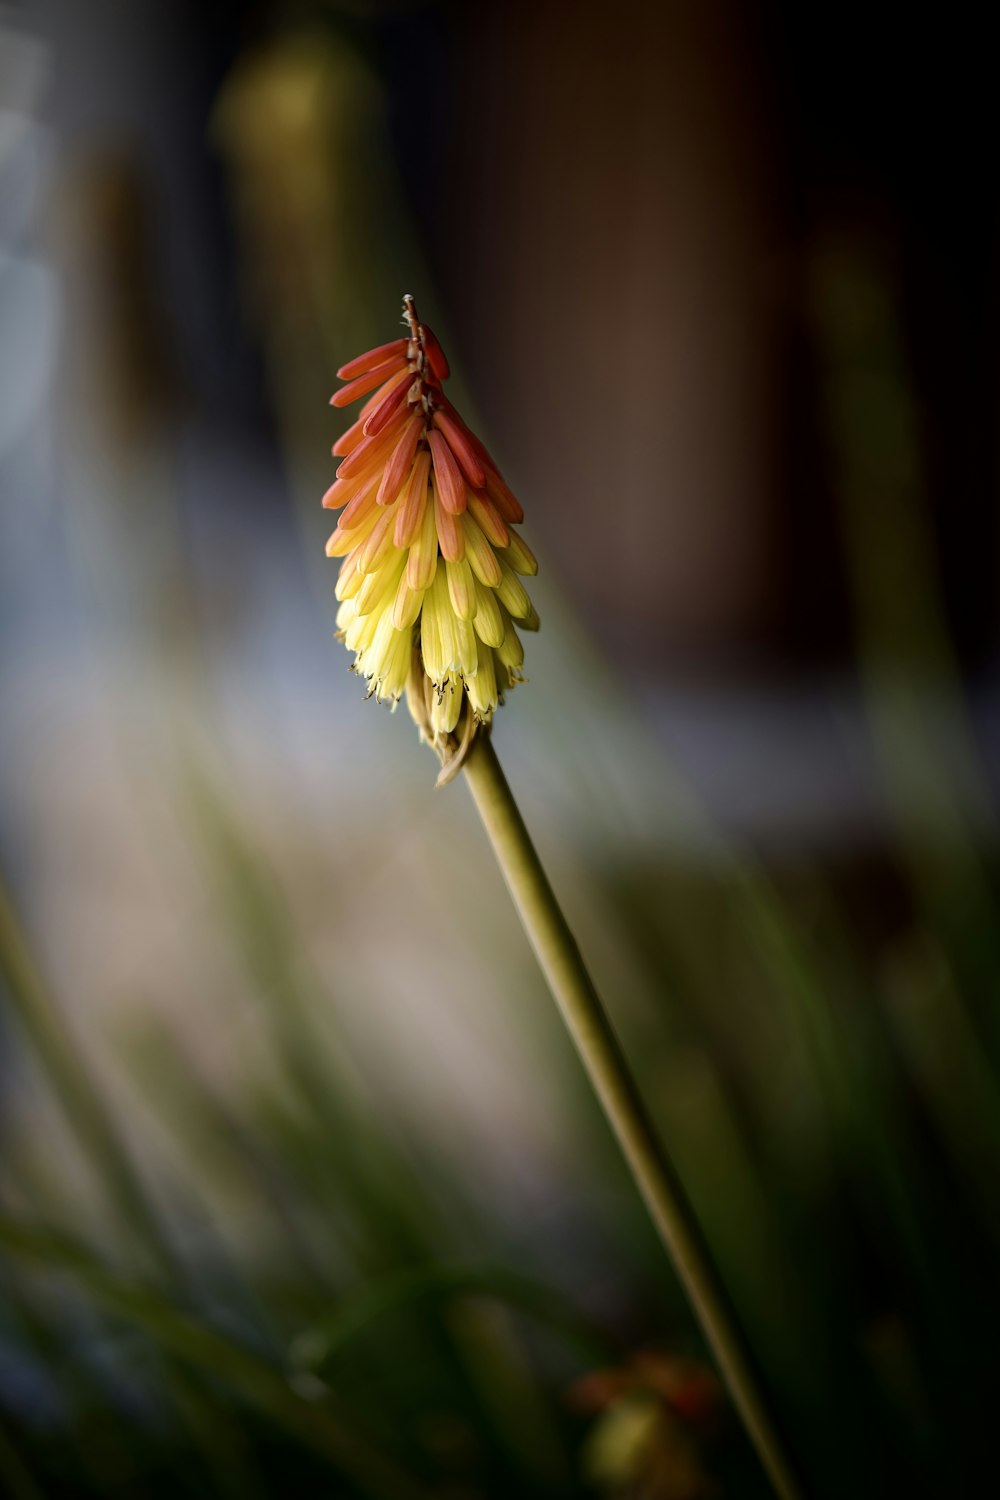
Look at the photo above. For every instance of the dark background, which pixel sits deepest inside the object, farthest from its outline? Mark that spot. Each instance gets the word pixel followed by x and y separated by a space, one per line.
pixel 301 1190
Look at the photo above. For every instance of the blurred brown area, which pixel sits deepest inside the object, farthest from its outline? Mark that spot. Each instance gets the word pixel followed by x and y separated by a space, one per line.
pixel 627 238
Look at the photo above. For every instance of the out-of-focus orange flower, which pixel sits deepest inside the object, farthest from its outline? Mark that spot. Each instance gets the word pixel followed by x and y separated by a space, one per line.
pixel 430 585
pixel 653 1414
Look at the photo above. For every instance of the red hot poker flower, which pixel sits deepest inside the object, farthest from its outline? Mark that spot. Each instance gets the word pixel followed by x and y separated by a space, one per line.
pixel 429 588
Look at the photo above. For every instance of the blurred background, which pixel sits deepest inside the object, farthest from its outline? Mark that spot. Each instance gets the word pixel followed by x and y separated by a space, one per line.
pixel 302 1192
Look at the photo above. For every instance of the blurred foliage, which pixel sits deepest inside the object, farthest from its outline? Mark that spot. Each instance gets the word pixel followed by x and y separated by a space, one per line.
pixel 231 1266
pixel 831 1094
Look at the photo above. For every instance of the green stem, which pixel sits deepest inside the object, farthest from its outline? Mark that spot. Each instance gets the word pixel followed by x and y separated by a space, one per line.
pixel 602 1057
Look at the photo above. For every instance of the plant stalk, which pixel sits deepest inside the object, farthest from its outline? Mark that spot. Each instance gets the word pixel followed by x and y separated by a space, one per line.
pixel 609 1073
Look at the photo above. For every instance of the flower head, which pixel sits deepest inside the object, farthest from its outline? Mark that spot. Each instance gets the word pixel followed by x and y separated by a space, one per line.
pixel 430 583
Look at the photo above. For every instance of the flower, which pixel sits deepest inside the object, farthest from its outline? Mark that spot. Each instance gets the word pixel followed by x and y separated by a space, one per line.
pixel 654 1414
pixel 430 583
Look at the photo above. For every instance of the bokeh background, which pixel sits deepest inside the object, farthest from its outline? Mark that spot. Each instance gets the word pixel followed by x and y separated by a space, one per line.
pixel 302 1192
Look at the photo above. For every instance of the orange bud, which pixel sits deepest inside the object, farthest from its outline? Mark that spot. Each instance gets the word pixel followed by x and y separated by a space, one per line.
pixel 460 446
pixel 361 503
pixel 477 445
pixel 388 407
pixel 337 495
pixel 399 463
pixel 343 491
pixel 506 503
pixel 412 501
pixel 447 475
pixel 435 355
pixel 488 518
pixel 344 540
pixel 349 440
pixel 374 449
pixel 367 382
pixel 449 533
pixel 365 362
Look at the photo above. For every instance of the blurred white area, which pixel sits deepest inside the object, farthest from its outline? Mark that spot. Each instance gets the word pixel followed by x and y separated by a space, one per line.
pixel 29 307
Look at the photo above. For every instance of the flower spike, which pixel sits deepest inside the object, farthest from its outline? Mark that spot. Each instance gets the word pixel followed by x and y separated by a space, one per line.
pixel 428 588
